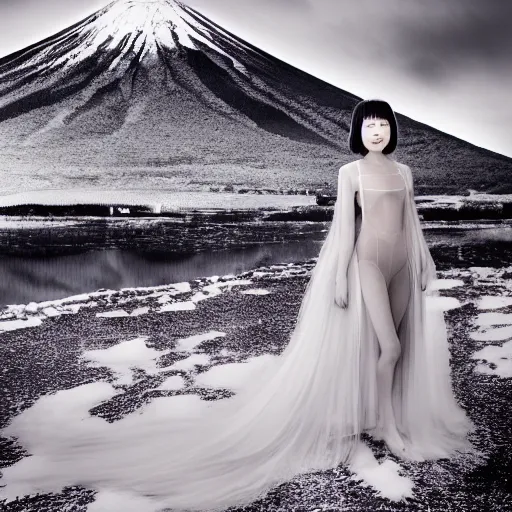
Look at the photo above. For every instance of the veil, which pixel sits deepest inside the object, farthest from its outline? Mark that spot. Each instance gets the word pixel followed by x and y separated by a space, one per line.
pixel 301 411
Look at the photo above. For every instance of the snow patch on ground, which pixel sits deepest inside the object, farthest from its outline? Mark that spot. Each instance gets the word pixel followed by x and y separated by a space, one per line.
pixel 445 284
pixel 494 327
pixel 113 314
pixel 174 383
pixel 482 273
pixel 496 334
pixel 255 291
pixel 493 302
pixel 484 319
pixel 442 303
pixel 190 343
pixel 123 357
pixel 20 316
pixel 13 325
pixel 108 500
pixel 178 306
pixel 495 360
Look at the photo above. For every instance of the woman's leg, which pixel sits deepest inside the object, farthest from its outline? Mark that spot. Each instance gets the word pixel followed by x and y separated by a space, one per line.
pixel 386 309
pixel 399 290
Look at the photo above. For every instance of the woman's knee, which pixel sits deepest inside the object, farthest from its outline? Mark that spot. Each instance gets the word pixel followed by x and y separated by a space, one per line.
pixel 391 353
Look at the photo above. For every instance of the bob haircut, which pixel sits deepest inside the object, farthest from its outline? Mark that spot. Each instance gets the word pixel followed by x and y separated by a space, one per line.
pixel 368 109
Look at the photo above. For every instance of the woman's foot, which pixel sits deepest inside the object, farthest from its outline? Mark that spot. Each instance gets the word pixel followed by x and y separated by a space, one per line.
pixel 395 442
pixel 392 439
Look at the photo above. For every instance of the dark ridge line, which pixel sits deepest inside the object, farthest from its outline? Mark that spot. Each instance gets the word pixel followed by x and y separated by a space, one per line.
pixel 111 86
pixel 196 94
pixel 15 73
pixel 40 45
pixel 50 95
pixel 162 53
pixel 134 66
pixel 231 94
pixel 74 38
pixel 25 79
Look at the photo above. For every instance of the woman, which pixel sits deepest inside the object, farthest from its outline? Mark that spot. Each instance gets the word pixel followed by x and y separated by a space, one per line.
pixel 385 273
pixel 364 325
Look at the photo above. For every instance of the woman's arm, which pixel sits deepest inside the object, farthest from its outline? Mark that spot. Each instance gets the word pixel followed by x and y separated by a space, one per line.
pixel 346 219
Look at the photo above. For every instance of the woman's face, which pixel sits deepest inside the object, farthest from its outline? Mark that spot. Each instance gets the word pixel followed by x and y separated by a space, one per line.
pixel 375 133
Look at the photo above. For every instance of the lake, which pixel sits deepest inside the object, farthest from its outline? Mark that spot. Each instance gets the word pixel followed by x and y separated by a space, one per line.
pixel 40 263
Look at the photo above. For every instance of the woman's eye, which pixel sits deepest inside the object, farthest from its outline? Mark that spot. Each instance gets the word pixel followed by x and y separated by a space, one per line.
pixel 373 124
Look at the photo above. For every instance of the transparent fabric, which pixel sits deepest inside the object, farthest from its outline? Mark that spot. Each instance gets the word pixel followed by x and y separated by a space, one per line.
pixel 381 242
pixel 382 256
pixel 298 412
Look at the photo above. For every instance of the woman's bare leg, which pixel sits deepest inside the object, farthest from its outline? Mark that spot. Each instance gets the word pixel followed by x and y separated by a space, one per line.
pixel 386 309
pixel 399 295
pixel 399 290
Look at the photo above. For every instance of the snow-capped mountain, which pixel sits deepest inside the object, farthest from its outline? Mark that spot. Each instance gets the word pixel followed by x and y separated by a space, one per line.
pixel 146 94
pixel 126 28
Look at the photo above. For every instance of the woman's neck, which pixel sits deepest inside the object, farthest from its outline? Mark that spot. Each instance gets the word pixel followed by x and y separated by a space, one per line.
pixel 376 158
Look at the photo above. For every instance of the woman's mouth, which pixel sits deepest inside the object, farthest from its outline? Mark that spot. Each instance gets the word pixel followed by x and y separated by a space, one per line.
pixel 378 141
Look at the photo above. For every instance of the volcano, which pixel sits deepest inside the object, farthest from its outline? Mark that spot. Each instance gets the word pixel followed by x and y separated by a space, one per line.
pixel 152 94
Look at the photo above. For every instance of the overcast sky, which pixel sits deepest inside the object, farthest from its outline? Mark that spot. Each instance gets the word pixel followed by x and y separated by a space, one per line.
pixel 444 63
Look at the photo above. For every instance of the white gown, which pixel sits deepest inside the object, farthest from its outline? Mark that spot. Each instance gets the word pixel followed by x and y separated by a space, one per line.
pixel 303 411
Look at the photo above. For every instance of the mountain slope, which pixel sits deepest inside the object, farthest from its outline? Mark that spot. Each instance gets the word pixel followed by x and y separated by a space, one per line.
pixel 151 94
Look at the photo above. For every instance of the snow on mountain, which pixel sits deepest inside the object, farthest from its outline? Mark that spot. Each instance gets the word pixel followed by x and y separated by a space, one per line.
pixel 138 26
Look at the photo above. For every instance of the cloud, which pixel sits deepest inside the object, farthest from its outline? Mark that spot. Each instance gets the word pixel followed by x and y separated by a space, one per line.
pixel 469 30
pixel 428 38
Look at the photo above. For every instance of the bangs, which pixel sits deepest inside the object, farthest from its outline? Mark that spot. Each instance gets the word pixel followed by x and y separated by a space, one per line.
pixel 376 108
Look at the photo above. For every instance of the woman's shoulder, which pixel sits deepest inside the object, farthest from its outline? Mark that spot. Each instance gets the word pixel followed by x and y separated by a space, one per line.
pixel 351 165
pixel 349 168
pixel 348 173
pixel 402 167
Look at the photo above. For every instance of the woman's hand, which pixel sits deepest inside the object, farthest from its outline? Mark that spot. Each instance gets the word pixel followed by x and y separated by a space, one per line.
pixel 424 278
pixel 341 293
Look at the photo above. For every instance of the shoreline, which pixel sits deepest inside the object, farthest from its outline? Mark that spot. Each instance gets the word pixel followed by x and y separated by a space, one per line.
pixel 441 209
pixel 224 207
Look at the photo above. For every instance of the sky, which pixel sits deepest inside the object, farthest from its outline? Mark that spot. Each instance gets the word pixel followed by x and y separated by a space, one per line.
pixel 444 63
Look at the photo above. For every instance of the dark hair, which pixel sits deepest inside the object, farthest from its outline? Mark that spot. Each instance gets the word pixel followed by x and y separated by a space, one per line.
pixel 371 108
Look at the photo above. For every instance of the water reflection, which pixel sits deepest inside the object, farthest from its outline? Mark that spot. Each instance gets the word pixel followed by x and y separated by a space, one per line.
pixel 39 279
pixel 455 234
pixel 27 279
pixel 470 244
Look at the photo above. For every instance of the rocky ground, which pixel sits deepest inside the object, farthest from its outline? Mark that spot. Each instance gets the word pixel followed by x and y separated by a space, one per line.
pixel 41 345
